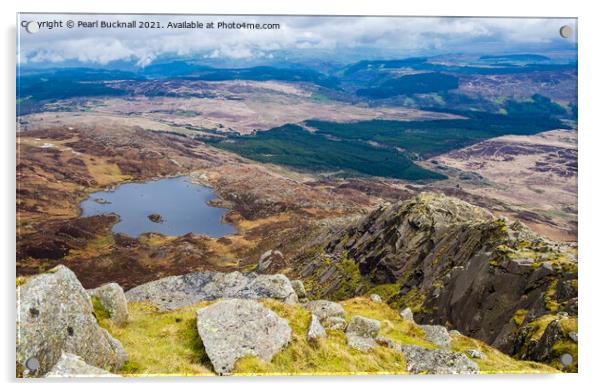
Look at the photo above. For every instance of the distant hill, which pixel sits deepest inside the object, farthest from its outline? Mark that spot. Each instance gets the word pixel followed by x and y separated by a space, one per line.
pixel 516 57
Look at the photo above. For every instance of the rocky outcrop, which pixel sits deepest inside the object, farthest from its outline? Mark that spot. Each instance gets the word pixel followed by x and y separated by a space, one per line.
pixel 558 337
pixel 112 298
pixel 432 361
pixel 180 291
pixel 361 332
pixel 54 315
pixel 389 240
pixel 232 329
pixel 456 265
pixel 70 365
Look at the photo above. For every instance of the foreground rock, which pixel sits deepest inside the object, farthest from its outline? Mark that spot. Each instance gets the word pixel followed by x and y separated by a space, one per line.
pixel 437 335
pixel 71 365
pixel 331 315
pixel 376 298
pixel 474 353
pixel 361 332
pixel 299 289
pixel 113 299
pixel 324 309
pixel 54 315
pixel 232 329
pixel 180 291
pixel 335 323
pixel 432 361
pixel 407 314
pixel 315 330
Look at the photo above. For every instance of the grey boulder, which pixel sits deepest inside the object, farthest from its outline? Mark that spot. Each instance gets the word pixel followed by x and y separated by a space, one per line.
pixel 362 344
pixel 334 323
pixel 406 314
pixel 325 309
pixel 236 328
pixel 70 365
pixel 376 298
pixel 299 289
pixel 474 353
pixel 432 361
pixel 438 361
pixel 315 330
pixel 113 299
pixel 175 292
pixel 437 335
pixel 54 315
pixel 361 332
pixel 364 327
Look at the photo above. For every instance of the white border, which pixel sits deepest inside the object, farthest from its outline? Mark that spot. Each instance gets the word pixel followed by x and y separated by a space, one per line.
pixel 590 148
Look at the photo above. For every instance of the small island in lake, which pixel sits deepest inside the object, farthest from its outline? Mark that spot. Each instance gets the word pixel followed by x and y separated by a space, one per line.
pixel 155 218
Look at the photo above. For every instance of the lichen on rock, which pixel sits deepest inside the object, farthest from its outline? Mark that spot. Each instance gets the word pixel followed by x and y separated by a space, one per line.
pixel 54 315
pixel 236 328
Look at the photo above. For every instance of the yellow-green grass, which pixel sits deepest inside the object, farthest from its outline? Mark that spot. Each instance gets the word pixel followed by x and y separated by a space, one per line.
pixel 392 326
pixel 168 344
pixel 328 356
pixel 496 361
pixel 161 343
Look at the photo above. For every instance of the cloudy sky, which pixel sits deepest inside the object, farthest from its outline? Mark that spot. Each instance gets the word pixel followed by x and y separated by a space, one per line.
pixel 298 37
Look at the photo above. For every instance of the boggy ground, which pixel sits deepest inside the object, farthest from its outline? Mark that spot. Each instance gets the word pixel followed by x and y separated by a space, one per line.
pixel 532 178
pixel 59 166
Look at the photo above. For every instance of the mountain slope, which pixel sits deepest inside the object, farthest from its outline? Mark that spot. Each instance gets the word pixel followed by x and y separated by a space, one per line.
pixel 456 264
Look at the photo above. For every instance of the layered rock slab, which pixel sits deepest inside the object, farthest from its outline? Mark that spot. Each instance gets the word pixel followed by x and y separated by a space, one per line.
pixel 236 328
pixel 71 365
pixel 175 292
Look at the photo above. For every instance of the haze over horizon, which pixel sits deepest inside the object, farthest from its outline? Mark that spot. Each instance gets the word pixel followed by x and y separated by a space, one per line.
pixel 299 39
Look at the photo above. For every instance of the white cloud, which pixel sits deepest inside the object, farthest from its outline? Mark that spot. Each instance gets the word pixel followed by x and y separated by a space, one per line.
pixel 301 34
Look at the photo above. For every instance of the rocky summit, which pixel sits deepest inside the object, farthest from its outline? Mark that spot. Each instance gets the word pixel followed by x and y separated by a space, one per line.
pixel 453 264
pixel 180 291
